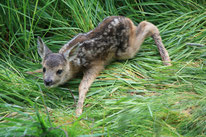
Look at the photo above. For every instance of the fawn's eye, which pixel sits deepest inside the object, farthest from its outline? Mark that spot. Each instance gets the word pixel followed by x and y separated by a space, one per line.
pixel 59 71
pixel 44 69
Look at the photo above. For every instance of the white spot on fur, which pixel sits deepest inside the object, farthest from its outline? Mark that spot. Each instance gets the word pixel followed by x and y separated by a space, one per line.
pixel 89 52
pixel 115 22
pixel 83 50
pixel 83 61
pixel 78 61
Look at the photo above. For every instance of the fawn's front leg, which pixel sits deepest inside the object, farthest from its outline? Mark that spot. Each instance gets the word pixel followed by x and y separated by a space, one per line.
pixel 88 78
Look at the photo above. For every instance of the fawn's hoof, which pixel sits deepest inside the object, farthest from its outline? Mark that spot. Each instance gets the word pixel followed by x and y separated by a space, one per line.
pixel 78 112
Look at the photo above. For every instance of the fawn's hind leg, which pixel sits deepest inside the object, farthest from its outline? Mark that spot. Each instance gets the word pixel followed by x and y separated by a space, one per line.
pixel 137 37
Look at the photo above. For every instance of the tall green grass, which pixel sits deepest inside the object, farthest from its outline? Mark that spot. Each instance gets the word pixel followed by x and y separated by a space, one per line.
pixel 137 97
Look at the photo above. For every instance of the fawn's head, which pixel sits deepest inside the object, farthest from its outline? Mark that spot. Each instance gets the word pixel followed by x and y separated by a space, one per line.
pixel 57 68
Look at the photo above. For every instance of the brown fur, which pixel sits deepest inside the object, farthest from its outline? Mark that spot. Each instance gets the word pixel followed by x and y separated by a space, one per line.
pixel 115 38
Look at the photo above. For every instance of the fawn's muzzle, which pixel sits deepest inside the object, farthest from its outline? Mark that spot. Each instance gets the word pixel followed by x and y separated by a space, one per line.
pixel 48 82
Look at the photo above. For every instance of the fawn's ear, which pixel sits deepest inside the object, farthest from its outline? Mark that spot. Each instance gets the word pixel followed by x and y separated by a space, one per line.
pixel 71 53
pixel 43 50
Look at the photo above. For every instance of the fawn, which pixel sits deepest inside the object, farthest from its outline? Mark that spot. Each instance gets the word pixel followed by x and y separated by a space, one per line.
pixel 113 39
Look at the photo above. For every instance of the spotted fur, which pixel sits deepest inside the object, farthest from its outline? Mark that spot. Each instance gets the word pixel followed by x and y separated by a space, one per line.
pixel 111 36
pixel 115 38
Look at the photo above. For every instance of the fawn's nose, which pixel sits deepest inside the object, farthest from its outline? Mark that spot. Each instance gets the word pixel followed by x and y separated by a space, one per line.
pixel 48 82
